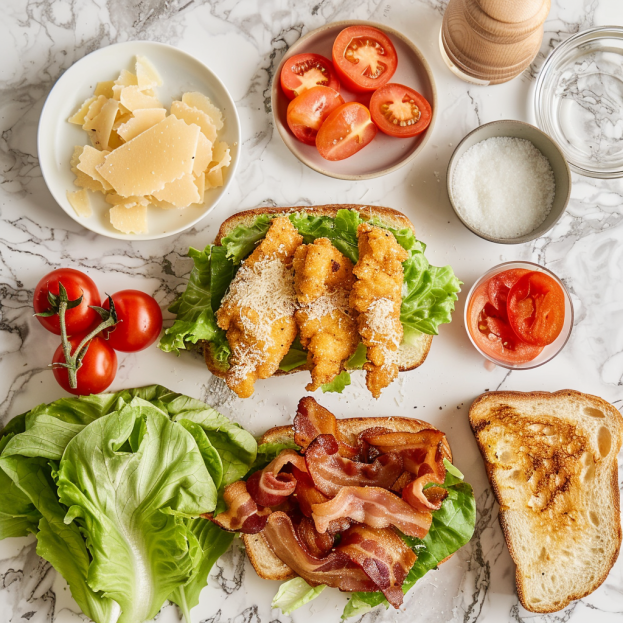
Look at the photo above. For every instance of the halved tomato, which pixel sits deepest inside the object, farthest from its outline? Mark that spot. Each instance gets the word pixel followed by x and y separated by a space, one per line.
pixel 499 286
pixel 536 308
pixel 307 112
pixel 345 131
pixel 305 71
pixel 493 334
pixel 400 111
pixel 364 57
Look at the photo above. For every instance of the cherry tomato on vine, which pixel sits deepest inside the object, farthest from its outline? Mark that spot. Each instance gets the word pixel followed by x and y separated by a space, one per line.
pixel 97 371
pixel 140 321
pixel 305 71
pixel 77 320
pixel 400 111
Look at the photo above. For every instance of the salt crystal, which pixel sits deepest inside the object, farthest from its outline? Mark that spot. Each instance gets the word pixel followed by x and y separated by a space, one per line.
pixel 503 187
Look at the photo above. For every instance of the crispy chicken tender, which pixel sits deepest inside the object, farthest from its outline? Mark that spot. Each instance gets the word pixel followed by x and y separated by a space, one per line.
pixel 258 310
pixel 377 296
pixel 327 326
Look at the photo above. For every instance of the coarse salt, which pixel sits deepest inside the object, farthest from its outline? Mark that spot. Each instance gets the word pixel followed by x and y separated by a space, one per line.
pixel 504 187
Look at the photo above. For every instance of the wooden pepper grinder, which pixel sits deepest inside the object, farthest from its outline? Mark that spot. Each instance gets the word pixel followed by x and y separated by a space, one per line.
pixel 491 41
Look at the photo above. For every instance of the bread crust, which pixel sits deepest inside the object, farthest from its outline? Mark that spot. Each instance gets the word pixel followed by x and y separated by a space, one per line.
pixel 266 564
pixel 477 425
pixel 388 215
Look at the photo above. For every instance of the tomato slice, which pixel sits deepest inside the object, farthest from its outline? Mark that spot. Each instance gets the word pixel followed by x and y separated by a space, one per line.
pixel 307 112
pixel 364 57
pixel 400 111
pixel 305 71
pixel 536 308
pixel 499 286
pixel 493 334
pixel 345 131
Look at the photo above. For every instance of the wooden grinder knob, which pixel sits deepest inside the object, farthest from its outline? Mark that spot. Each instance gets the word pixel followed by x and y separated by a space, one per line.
pixel 492 41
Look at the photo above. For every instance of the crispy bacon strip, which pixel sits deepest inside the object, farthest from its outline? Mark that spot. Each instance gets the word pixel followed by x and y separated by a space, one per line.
pixel 312 420
pixel 242 514
pixel 383 555
pixel 330 471
pixel 373 506
pixel 422 454
pixel 269 487
pixel 317 544
pixel 336 569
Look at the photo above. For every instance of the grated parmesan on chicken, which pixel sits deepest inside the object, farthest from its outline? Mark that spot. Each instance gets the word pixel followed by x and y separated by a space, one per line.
pixel 325 305
pixel 380 321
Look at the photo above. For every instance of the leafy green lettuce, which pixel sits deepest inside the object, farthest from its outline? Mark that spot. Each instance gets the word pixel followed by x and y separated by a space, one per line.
pixel 112 485
pixel 295 593
pixel 428 297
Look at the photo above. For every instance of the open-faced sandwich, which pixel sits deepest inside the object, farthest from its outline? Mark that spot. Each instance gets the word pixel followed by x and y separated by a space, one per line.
pixel 365 505
pixel 326 289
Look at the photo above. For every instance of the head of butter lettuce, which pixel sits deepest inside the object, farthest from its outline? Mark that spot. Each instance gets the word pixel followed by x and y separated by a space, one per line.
pixel 428 295
pixel 113 487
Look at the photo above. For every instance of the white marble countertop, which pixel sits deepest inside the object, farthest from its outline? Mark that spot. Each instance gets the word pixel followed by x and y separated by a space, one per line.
pixel 243 41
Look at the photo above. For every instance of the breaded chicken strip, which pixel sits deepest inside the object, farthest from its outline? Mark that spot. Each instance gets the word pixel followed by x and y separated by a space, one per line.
pixel 377 296
pixel 258 310
pixel 327 326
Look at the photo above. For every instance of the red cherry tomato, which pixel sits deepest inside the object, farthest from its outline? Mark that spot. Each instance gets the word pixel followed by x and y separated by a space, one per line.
pixel 309 110
pixel 492 333
pixel 77 320
pixel 140 321
pixel 364 57
pixel 97 371
pixel 305 71
pixel 345 131
pixel 499 286
pixel 400 111
pixel 536 308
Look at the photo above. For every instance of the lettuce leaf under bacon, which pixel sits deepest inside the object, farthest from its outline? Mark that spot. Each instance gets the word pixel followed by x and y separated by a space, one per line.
pixel 428 296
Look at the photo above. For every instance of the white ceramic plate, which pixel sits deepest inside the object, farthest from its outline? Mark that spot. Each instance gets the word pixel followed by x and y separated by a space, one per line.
pixel 385 153
pixel 56 137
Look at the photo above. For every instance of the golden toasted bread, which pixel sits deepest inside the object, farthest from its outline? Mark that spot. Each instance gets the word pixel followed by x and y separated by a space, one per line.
pixel 264 561
pixel 411 355
pixel 552 462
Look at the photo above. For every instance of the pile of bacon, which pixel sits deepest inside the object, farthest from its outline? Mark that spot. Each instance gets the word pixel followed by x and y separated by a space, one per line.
pixel 302 501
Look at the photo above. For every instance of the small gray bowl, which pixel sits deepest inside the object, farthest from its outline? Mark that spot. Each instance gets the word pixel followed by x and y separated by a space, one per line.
pixel 546 145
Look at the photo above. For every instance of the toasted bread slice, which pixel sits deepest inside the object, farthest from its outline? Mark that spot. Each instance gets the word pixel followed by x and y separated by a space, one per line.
pixel 264 561
pixel 411 355
pixel 552 462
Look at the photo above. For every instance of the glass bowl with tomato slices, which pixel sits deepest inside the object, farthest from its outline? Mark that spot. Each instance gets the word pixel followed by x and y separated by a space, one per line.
pixel 377 119
pixel 519 315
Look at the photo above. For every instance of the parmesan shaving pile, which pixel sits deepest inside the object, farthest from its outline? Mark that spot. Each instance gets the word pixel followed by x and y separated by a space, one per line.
pixel 140 156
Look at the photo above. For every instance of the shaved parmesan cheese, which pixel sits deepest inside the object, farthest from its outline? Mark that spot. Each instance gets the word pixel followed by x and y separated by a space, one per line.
pixel 200 183
pixel 163 205
pixel 105 88
pixel 192 115
pixel 122 118
pixel 180 193
pixel 214 179
pixel 143 119
pixel 114 141
pixel 115 199
pixel 132 98
pixel 126 79
pixel 79 200
pixel 94 110
pixel 100 127
pixel 203 157
pixel 91 158
pixel 221 156
pixel 146 74
pixel 75 157
pixel 79 117
pixel 202 102
pixel 129 220
pixel 154 158
pixel 116 91
pixel 84 181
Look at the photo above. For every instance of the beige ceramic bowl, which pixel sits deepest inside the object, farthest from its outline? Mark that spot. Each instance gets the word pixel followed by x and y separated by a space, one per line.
pixel 546 145
pixel 385 154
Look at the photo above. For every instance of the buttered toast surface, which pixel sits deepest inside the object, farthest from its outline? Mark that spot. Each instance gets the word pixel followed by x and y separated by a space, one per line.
pixel 551 459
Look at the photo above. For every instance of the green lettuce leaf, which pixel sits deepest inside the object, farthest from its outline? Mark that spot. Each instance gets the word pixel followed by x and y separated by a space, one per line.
pixel 358 358
pixel 338 384
pixel 222 272
pixel 452 527
pixel 241 241
pixel 295 593
pixel 295 357
pixel 195 319
pixel 131 505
